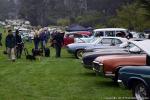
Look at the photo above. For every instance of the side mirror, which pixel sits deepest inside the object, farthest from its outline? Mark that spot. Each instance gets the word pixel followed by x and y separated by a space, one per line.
pixel 135 50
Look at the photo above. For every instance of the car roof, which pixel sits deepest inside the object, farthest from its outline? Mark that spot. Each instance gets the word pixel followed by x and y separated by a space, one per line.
pixel 111 29
pixel 144 45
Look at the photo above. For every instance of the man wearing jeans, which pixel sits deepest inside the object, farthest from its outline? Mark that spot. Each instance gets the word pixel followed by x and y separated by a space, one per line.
pixel 10 45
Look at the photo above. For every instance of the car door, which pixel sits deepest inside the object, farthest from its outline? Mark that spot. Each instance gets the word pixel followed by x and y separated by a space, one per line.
pixel 106 42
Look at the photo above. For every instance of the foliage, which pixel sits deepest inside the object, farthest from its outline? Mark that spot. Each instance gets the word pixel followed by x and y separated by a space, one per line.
pixel 63 22
pixel 45 12
pixel 146 5
pixel 89 19
pixel 131 16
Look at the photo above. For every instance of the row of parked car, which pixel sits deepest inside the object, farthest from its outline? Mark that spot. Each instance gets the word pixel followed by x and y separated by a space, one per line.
pixel 125 61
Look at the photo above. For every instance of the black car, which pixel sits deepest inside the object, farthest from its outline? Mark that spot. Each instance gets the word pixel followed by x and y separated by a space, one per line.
pixel 89 57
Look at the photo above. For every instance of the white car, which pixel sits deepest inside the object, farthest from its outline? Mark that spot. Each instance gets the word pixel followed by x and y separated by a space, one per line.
pixel 105 32
pixel 104 42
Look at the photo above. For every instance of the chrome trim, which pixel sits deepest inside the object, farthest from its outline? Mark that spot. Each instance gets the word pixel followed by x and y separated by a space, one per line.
pixel 96 62
pixel 109 75
pixel 121 83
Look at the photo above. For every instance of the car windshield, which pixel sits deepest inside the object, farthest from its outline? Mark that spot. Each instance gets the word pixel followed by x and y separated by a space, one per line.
pixel 94 41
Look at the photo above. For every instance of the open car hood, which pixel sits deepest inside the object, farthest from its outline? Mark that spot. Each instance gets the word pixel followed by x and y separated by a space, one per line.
pixel 143 45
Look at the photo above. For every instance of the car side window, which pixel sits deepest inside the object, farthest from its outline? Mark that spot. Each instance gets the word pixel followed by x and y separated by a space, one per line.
pixel 106 41
pixel 99 34
pixel 117 41
pixel 110 33
pixel 78 36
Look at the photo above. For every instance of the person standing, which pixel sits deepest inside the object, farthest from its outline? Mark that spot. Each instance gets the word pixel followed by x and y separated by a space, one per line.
pixel 10 45
pixel 43 39
pixel 129 36
pixel 36 40
pixel 0 39
pixel 58 42
pixel 19 44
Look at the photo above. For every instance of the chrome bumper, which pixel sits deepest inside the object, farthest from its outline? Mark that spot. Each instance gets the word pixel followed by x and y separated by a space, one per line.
pixel 121 83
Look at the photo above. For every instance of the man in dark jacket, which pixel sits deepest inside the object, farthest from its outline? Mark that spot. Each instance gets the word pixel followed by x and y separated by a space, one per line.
pixel 19 44
pixel 10 45
pixel 58 42
pixel 0 39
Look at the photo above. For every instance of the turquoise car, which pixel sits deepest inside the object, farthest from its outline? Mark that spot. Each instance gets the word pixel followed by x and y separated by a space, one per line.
pixel 137 79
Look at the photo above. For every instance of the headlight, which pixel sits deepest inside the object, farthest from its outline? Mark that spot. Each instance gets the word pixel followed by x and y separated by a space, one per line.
pixel 96 66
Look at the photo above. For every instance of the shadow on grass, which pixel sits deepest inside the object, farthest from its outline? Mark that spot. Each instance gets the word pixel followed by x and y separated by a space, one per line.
pixel 107 83
pixel 88 74
pixel 68 57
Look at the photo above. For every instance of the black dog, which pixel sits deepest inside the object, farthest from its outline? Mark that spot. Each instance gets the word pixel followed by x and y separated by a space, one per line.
pixel 37 52
pixel 28 56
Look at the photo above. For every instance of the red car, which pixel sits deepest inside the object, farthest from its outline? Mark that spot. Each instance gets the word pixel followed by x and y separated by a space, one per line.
pixel 70 37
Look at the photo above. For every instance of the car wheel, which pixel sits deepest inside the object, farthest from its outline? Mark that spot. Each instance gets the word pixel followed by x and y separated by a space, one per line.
pixel 140 92
pixel 79 54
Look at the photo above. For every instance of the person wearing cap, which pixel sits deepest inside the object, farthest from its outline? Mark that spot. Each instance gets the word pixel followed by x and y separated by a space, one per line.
pixel 10 45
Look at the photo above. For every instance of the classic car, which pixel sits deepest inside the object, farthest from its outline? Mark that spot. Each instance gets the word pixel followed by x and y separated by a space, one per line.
pixel 104 42
pixel 88 58
pixel 123 49
pixel 71 37
pixel 123 45
pixel 110 65
pixel 107 32
pixel 137 79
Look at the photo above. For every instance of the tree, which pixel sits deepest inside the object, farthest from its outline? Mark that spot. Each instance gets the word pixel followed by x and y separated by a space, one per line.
pixel 146 4
pixel 63 22
pixel 89 19
pixel 131 16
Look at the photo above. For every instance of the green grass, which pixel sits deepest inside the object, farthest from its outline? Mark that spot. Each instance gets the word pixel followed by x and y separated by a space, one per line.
pixel 53 79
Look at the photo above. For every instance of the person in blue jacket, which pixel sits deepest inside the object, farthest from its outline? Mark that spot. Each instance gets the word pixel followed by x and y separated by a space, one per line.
pixel 10 45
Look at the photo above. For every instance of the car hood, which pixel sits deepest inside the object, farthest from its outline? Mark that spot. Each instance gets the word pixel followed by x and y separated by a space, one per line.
pixel 80 44
pixel 143 45
pixel 106 51
pixel 109 57
pixel 145 70
pixel 99 46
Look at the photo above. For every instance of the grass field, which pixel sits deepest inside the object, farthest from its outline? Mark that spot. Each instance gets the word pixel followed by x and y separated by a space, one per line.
pixel 53 79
